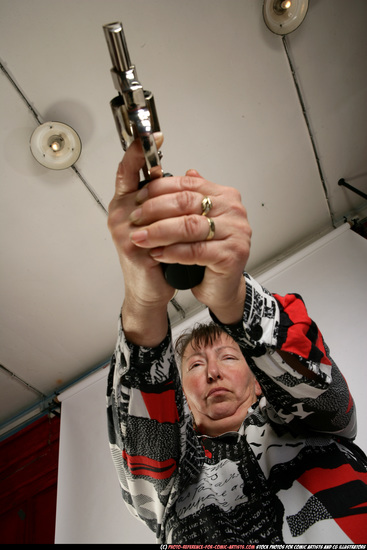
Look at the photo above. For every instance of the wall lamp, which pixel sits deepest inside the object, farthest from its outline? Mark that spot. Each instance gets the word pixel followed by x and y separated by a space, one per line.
pixel 55 145
pixel 284 16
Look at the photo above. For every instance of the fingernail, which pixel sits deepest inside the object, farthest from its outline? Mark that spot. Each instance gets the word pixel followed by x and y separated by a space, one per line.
pixel 142 195
pixel 135 215
pixel 158 136
pixel 156 252
pixel 139 236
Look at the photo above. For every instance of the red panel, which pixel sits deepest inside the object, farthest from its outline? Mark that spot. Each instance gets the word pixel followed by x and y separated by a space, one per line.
pixel 13 526
pixel 28 482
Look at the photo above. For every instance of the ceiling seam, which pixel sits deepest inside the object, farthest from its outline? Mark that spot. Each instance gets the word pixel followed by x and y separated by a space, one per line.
pixel 39 121
pixel 89 188
pixel 26 384
pixel 308 125
pixel 15 85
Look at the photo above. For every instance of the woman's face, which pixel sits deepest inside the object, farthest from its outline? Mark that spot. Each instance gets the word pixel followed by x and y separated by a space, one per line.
pixel 219 385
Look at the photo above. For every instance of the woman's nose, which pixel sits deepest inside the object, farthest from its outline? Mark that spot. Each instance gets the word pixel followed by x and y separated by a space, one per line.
pixel 213 371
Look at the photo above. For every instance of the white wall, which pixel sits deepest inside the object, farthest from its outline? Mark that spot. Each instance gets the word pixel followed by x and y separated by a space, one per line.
pixel 331 276
pixel 90 508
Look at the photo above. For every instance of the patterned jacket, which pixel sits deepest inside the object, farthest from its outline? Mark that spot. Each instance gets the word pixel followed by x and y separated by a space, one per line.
pixel 291 474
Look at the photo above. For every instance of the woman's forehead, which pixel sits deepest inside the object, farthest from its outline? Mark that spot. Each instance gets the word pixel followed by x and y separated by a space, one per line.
pixel 222 340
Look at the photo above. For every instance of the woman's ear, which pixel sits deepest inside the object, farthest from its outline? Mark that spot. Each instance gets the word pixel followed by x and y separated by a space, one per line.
pixel 258 390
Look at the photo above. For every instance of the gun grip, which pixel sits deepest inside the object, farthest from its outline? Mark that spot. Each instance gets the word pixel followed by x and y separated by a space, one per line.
pixel 183 277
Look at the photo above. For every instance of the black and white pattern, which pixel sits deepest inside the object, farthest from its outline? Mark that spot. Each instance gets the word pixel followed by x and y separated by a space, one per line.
pixel 291 473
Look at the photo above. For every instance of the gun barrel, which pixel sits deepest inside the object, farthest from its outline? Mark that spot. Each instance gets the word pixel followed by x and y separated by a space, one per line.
pixel 117 46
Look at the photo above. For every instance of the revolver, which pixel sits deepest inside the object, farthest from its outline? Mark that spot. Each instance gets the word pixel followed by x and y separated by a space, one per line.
pixel 136 116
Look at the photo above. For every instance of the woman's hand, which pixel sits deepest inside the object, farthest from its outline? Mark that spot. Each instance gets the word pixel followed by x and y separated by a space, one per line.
pixel 147 294
pixel 169 225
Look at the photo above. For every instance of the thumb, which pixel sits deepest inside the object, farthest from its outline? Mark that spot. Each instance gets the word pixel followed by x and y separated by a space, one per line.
pixel 128 171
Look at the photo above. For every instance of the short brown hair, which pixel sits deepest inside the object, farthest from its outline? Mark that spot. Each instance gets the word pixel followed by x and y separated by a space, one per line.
pixel 198 336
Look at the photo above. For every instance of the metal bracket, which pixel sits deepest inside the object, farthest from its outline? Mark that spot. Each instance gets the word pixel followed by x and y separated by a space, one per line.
pixel 343 183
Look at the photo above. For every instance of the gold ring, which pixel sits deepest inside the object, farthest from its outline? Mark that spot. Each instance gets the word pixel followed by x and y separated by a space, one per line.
pixel 206 206
pixel 211 229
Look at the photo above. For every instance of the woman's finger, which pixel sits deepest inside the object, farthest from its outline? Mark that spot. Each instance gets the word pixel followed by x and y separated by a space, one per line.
pixel 183 229
pixel 127 176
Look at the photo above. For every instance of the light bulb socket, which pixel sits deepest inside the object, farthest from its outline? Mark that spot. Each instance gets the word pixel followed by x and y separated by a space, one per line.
pixel 55 145
pixel 280 6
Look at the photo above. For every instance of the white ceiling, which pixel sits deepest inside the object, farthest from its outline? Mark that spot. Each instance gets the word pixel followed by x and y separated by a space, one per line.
pixel 228 107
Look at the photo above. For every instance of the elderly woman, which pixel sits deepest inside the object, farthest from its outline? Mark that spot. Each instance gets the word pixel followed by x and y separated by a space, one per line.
pixel 249 438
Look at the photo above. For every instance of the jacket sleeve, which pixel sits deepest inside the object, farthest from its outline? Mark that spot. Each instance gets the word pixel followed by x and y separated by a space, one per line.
pixel 148 425
pixel 287 353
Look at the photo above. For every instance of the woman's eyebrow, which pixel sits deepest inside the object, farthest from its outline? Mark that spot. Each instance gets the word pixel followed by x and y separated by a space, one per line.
pixel 197 352
pixel 221 348
pixel 202 352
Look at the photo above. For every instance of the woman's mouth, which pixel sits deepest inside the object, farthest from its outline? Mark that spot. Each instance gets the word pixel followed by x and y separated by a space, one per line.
pixel 217 391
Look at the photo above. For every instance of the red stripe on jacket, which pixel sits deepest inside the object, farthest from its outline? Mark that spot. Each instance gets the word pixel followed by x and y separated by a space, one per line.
pixel 297 341
pixel 143 465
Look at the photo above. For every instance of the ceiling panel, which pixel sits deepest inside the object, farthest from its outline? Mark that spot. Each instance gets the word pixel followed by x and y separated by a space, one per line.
pixel 14 392
pixel 329 62
pixel 55 241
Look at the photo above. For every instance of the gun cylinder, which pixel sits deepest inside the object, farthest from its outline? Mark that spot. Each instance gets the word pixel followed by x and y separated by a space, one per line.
pixel 117 46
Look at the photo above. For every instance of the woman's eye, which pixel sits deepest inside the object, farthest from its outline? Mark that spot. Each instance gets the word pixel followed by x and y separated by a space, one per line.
pixel 194 365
